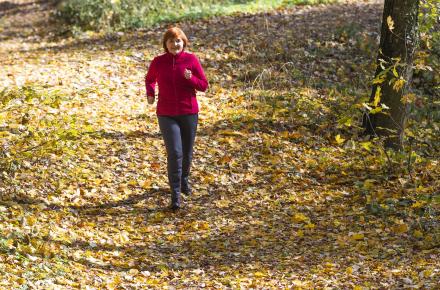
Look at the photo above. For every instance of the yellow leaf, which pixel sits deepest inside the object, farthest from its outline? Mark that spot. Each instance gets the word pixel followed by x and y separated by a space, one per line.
pixel 377 96
pixel 339 140
pixel 30 220
pixel 418 234
pixel 379 79
pixel 114 283
pixel 10 243
pixel 28 249
pixel 152 281
pixel 419 204
pixel 155 166
pixel 274 159
pixel 225 159
pixel 427 273
pixel 395 73
pixel 298 284
pixel 222 203
pixel 398 85
pixel 428 239
pixel 299 217
pixel 408 98
pixel 300 233
pixel 285 134
pixel 349 270
pixel 400 228
pixel 133 272
pixel 358 236
pixel 310 226
pixel 203 226
pixel 157 217
pixel 366 145
pixel 65 281
pixel 107 176
pixel 123 237
pixel 390 23
pixel 230 133
pixel 208 178
pixel 368 184
pixel 295 135
pixel 146 184
pixel 259 274
pixel 133 182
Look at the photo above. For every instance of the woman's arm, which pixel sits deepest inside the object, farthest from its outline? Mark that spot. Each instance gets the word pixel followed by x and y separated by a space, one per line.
pixel 151 78
pixel 198 79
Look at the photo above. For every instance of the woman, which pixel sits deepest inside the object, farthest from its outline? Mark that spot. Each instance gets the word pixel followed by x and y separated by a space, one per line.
pixel 178 74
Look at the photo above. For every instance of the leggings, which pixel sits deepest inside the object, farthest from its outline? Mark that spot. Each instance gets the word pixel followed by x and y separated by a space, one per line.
pixel 179 133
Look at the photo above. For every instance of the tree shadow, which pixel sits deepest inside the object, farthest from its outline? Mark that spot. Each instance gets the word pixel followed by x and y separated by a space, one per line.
pixel 116 135
pixel 12 8
pixel 27 20
pixel 295 27
pixel 92 209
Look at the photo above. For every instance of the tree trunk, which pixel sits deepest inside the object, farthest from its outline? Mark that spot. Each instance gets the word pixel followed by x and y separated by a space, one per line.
pixel 398 41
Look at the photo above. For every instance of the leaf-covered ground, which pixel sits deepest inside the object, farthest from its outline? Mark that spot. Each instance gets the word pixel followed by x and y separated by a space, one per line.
pixel 278 202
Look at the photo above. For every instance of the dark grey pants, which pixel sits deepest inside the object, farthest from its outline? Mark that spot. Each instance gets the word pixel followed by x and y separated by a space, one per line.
pixel 179 133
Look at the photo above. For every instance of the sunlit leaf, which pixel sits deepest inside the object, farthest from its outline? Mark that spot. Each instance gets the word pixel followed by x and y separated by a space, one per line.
pixel 390 23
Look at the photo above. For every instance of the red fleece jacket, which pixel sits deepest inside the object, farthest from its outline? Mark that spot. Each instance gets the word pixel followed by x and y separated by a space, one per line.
pixel 177 95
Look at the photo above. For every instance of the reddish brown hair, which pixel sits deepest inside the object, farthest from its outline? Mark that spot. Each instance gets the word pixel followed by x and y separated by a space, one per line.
pixel 174 32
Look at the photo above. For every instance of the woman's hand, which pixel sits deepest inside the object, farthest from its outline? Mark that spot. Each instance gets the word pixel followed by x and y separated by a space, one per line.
pixel 187 74
pixel 150 100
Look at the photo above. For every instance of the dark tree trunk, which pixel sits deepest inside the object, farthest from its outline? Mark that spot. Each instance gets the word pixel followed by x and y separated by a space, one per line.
pixel 396 43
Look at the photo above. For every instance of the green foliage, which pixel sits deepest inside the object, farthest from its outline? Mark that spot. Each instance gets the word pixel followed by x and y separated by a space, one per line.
pixel 127 14
pixel 425 113
pixel 307 2
pixel 427 62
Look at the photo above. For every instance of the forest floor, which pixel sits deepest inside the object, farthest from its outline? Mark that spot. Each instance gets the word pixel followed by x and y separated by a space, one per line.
pixel 280 199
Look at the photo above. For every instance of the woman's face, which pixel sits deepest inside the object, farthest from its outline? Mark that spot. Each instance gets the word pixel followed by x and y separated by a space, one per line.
pixel 175 45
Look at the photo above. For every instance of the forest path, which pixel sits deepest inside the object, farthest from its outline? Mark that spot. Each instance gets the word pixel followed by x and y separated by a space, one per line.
pixel 276 203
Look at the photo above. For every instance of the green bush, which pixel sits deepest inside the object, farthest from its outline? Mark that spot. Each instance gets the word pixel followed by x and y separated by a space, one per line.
pixel 129 14
pixel 428 58
pixel 126 14
pixel 308 2
pixel 426 78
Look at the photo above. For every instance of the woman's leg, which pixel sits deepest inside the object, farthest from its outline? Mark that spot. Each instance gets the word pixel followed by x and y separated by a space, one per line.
pixel 188 127
pixel 170 130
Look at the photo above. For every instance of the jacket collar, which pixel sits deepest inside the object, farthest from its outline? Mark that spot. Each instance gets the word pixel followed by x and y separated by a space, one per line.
pixel 177 55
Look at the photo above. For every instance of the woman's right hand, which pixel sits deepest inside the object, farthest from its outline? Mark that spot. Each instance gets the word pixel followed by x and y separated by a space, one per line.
pixel 150 100
pixel 187 74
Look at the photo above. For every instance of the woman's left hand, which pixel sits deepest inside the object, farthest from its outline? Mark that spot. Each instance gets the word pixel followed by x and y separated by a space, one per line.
pixel 150 100
pixel 187 74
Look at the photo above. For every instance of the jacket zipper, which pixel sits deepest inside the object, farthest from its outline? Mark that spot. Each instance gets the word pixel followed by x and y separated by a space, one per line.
pixel 174 82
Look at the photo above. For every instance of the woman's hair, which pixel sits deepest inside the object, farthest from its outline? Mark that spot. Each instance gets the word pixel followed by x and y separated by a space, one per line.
pixel 174 32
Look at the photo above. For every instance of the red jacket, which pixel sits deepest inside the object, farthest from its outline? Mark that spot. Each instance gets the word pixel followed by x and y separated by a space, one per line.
pixel 177 95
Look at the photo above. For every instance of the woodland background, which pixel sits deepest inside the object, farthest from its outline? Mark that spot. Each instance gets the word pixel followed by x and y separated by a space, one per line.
pixel 288 193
